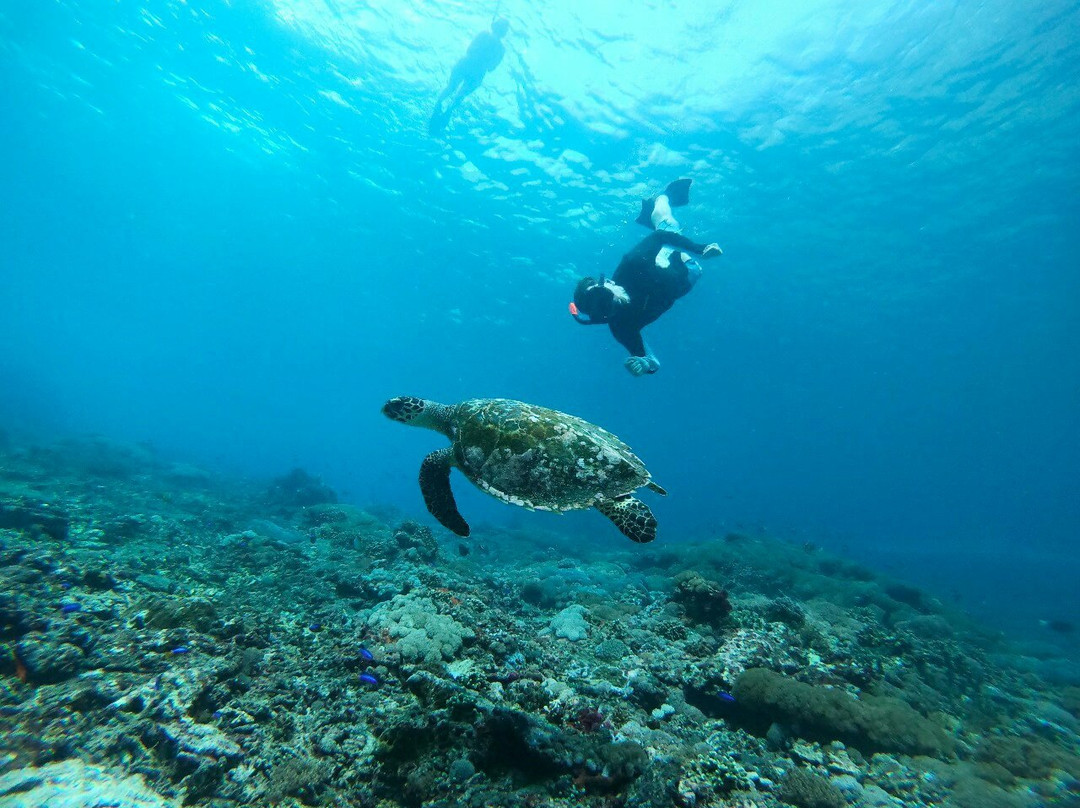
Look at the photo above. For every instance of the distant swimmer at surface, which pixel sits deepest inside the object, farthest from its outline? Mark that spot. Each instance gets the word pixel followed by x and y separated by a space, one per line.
pixel 484 54
pixel 648 280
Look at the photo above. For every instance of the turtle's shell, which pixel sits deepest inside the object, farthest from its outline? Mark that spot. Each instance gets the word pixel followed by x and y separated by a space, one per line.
pixel 541 458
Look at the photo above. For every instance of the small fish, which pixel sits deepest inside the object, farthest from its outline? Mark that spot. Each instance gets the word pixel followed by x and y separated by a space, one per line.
pixel 69 608
pixel 315 627
pixel 366 654
pixel 180 649
pixel 369 679
pixel 730 699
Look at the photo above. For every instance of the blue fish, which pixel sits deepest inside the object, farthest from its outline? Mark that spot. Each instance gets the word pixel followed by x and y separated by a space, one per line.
pixel 180 650
pixel 369 679
pixel 68 608
pixel 366 654
pixel 730 699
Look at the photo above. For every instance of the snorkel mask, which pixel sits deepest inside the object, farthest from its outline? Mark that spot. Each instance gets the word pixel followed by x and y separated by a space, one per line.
pixel 592 302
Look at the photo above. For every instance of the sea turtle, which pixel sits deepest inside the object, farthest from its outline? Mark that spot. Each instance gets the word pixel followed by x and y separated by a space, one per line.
pixel 530 456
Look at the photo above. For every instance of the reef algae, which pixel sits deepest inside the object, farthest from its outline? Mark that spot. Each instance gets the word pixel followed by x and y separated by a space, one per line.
pixel 234 650
pixel 806 789
pixel 870 723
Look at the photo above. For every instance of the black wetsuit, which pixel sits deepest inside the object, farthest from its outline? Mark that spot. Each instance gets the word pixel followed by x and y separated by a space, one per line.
pixel 652 289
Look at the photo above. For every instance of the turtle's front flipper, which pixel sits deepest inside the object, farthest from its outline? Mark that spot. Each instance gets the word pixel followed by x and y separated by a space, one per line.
pixel 631 516
pixel 435 486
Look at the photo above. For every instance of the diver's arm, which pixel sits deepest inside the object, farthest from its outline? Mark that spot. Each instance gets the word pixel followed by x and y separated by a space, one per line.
pixel 641 361
pixel 582 318
pixel 629 337
pixel 681 242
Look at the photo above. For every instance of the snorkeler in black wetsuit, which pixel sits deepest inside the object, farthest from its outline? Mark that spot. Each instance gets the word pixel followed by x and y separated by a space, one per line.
pixel 484 54
pixel 648 280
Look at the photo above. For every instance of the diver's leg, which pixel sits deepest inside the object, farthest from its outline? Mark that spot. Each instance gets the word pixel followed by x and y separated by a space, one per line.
pixel 468 85
pixel 440 117
pixel 457 76
pixel 662 219
pixel 658 208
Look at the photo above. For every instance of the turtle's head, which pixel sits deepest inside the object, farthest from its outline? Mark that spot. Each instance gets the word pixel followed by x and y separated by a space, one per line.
pixel 404 408
pixel 416 412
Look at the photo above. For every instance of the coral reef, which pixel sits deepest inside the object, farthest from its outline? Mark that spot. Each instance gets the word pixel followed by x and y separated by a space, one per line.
pixel 172 638
pixel 298 489
pixel 412 626
pixel 806 789
pixel 703 600
pixel 74 784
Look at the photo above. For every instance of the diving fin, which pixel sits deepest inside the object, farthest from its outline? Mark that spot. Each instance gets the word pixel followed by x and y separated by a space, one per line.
pixel 439 119
pixel 645 217
pixel 678 194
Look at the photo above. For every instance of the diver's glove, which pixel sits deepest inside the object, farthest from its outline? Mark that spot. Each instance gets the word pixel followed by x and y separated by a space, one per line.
pixel 640 365
pixel 712 251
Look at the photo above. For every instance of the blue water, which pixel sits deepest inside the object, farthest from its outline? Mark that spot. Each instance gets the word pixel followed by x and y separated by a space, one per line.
pixel 224 230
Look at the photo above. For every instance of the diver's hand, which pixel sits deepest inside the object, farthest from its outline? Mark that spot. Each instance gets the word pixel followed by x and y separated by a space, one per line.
pixel 640 365
pixel 712 251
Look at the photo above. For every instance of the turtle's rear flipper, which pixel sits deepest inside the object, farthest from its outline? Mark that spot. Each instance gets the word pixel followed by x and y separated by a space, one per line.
pixel 631 516
pixel 435 486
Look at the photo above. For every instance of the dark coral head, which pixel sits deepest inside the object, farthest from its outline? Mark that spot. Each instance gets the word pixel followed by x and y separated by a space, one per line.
pixel 403 408
pixel 589 719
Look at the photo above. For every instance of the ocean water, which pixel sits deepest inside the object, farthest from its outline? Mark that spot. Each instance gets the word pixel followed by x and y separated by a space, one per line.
pixel 226 232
